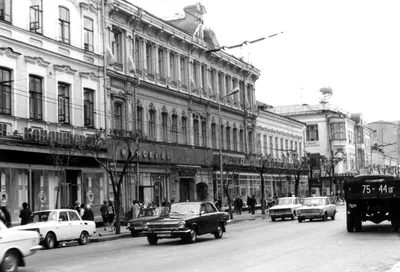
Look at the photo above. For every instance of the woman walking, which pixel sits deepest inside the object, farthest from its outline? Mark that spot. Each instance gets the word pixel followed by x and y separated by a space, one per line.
pixel 111 215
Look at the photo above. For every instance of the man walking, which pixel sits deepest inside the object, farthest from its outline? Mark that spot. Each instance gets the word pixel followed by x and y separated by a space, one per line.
pixel 24 214
pixel 103 210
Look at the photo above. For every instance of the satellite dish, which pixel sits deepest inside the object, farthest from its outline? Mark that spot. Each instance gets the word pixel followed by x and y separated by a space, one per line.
pixel 326 91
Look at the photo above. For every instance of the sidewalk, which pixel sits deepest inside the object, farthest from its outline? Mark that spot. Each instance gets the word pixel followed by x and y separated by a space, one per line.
pixel 102 235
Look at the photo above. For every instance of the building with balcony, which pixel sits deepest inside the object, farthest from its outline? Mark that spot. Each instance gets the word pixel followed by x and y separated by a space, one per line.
pixel 163 80
pixel 51 92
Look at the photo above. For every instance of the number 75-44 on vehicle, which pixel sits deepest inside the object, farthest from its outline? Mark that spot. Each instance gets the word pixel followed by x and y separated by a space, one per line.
pixel 374 198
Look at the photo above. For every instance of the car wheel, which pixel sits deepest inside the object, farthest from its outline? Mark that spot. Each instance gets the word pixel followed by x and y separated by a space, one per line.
pixel 273 219
pixel 325 217
pixel 49 241
pixel 83 238
pixel 358 224
pixel 350 223
pixel 10 261
pixel 134 233
pixel 283 218
pixel 311 219
pixel 300 220
pixel 218 234
pixel 333 215
pixel 192 238
pixel 152 239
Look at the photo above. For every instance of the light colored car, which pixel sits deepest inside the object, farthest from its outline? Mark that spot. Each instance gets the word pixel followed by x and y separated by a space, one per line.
pixel 15 245
pixel 286 207
pixel 59 225
pixel 316 207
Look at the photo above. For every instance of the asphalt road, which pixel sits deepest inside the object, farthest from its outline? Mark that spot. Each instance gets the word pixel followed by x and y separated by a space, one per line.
pixel 259 245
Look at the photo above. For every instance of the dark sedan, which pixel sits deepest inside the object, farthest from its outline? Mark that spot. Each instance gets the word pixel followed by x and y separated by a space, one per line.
pixel 187 220
pixel 136 225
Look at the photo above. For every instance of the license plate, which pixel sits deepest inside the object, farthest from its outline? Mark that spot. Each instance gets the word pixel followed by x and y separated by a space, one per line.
pixel 163 235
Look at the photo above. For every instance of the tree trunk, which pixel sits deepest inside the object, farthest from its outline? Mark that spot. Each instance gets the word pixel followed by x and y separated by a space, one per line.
pixel 296 186
pixel 229 202
pixel 117 204
pixel 262 194
pixel 309 182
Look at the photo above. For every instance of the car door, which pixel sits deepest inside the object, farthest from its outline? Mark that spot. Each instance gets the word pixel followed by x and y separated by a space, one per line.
pixel 204 219
pixel 63 227
pixel 214 217
pixel 76 224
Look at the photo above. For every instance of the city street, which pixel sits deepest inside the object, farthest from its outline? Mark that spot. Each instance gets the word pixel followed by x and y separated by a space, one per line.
pixel 258 245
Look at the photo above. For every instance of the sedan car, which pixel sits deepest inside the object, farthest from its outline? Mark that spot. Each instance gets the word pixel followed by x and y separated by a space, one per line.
pixel 316 207
pixel 286 207
pixel 15 245
pixel 187 220
pixel 136 225
pixel 59 225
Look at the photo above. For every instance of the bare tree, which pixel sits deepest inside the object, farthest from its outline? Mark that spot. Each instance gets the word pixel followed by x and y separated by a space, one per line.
pixel 261 166
pixel 115 154
pixel 300 167
pixel 328 165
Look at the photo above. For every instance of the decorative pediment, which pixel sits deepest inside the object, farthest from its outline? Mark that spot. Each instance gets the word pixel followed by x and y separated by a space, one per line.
pixel 213 120
pixel 64 69
pixel 88 6
pixel 9 52
pixel 152 107
pixel 174 112
pixel 164 110
pixel 184 113
pixel 139 104
pixel 89 75
pixel 37 60
pixel 227 124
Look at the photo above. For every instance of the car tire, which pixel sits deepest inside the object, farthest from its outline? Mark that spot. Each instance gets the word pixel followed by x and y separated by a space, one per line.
pixel 358 224
pixel 10 261
pixel 350 223
pixel 283 218
pixel 273 218
pixel 300 220
pixel 192 237
pixel 325 217
pixel 218 234
pixel 134 233
pixel 83 238
pixel 311 219
pixel 152 239
pixel 49 241
pixel 333 215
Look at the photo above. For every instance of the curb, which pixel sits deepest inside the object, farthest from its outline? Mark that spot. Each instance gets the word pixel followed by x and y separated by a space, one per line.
pixel 108 238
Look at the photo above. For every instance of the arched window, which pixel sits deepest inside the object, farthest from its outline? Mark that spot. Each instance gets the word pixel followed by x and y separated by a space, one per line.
pixel 164 126
pixel 139 117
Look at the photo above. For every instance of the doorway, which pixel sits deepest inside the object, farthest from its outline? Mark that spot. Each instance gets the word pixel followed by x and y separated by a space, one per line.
pixel 69 189
pixel 186 189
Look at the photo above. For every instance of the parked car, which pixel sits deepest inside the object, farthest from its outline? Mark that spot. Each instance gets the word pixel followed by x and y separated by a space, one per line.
pixel 15 245
pixel 316 207
pixel 187 220
pixel 59 225
pixel 285 208
pixel 136 225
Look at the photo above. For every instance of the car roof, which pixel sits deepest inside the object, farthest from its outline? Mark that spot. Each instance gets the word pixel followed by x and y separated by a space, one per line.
pixel 314 197
pixel 192 202
pixel 55 210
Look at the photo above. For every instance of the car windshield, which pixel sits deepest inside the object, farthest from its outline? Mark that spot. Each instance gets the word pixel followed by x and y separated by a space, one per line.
pixel 151 212
pixel 285 201
pixel 44 216
pixel 183 208
pixel 314 201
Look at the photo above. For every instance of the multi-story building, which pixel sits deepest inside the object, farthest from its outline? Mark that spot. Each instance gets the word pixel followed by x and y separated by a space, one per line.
pixel 164 81
pixel 51 91
pixel 280 141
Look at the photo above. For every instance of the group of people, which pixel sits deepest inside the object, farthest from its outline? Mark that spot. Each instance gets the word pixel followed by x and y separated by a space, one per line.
pixel 85 211
pixel 24 214
pixel 108 214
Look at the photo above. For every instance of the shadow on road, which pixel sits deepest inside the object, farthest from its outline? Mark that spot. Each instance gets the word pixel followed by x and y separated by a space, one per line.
pixel 179 242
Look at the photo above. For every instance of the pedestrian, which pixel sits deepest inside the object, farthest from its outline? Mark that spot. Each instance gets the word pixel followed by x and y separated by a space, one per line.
pixel 165 202
pixel 253 203
pixel 240 204
pixel 235 204
pixel 88 213
pixel 7 216
pixel 82 210
pixel 135 209
pixel 103 210
pixel 111 215
pixel 77 207
pixel 248 202
pixel 275 200
pixel 25 214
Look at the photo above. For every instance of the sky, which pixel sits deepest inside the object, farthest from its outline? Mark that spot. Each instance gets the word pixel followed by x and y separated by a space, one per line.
pixel 351 46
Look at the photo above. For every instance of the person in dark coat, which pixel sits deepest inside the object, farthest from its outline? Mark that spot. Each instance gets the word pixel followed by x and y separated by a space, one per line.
pixel 25 214
pixel 252 204
pixel 88 213
pixel 7 216
pixel 239 204
pixel 103 210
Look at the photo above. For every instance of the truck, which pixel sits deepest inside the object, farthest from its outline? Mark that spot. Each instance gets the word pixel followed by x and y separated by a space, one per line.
pixel 374 198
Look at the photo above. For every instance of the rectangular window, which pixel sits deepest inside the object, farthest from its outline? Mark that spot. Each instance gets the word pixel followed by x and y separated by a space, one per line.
pixel 282 151
pixel 220 84
pixel 152 125
pixel 221 136
pixel 204 77
pixel 161 63
pixel 35 98
pixel 5 10
pixel 214 135
pixel 276 155
pixel 204 132
pixel 5 91
pixel 149 58
pixel 271 146
pixel 115 39
pixel 194 75
pixel 164 126
pixel 291 146
pixel 172 66
pixel 139 116
pixel 235 143
pixel 137 54
pixel 228 138
pixel 226 85
pixel 174 128
pixel 118 116
pixel 250 148
pixel 64 24
pixel 312 132
pixel 300 151
pixel 338 131
pixel 258 147
pixel 184 130
pixel 196 134
pixel 182 67
pixel 36 19
pixel 88 108
pixel 88 35
pixel 287 146
pixel 63 103
pixel 265 145
pixel 241 139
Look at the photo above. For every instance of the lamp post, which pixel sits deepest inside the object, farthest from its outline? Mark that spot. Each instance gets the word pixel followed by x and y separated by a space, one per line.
pixel 236 90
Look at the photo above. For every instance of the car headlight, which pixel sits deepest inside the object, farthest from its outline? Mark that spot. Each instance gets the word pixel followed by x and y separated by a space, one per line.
pixel 128 225
pixel 181 224
pixel 146 226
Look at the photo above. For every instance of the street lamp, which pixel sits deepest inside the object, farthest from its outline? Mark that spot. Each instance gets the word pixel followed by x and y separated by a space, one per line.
pixel 236 90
